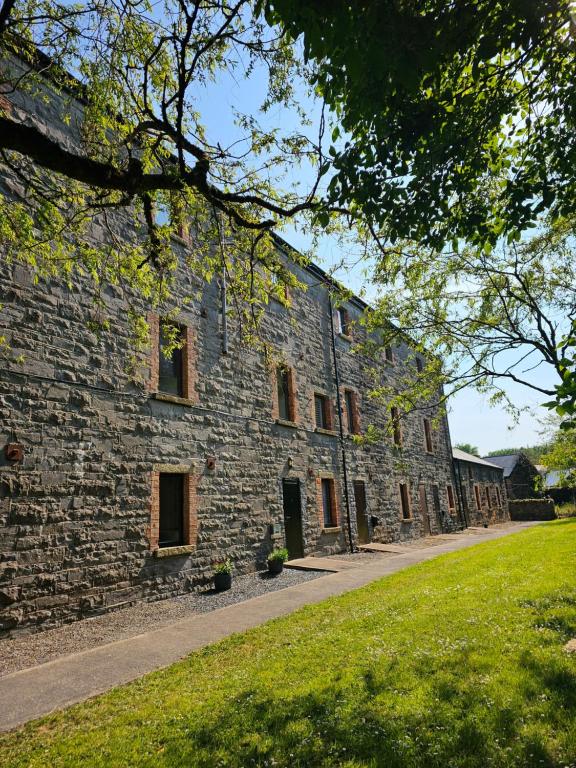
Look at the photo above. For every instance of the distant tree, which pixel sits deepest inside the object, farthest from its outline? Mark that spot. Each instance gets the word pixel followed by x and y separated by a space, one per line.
pixel 467 448
pixel 561 455
pixel 533 452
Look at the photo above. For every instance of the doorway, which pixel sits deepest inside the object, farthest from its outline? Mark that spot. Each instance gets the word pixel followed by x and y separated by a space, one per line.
pixel 361 516
pixel 292 517
pixel 424 510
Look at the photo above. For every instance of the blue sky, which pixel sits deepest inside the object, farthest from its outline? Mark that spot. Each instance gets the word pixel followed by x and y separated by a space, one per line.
pixel 472 419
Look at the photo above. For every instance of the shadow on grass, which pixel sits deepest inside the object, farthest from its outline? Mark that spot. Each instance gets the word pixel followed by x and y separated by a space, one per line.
pixel 367 723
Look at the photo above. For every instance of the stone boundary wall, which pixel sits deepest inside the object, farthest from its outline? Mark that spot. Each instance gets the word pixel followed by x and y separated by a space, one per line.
pixel 532 509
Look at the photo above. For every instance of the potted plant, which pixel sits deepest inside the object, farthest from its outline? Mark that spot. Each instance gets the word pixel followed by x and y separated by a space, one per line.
pixel 276 560
pixel 223 576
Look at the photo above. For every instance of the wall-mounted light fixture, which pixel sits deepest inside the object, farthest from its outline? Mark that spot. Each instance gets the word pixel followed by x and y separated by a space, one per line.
pixel 14 452
pixel 211 462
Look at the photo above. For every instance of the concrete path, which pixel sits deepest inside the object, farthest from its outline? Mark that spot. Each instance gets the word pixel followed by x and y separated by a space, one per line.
pixel 40 690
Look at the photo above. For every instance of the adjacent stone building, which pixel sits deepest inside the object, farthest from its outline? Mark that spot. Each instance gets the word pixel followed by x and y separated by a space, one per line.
pixel 520 475
pixel 114 489
pixel 482 489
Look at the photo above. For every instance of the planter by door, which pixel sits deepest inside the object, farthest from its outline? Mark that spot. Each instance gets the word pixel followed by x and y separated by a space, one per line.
pixel 275 566
pixel 222 581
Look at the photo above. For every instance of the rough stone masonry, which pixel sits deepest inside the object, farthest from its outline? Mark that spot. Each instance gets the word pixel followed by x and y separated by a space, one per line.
pixel 80 507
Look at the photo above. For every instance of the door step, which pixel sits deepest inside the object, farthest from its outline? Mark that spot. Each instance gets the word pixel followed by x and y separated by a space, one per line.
pixel 397 549
pixel 321 564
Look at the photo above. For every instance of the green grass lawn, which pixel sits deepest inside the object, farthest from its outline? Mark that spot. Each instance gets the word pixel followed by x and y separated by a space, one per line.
pixel 455 662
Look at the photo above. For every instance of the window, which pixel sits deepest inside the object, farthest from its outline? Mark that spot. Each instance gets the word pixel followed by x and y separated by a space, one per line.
pixel 388 354
pixel 172 373
pixel 451 503
pixel 498 497
pixel 351 405
pixel 329 503
pixel 322 412
pixel 477 496
pixel 171 366
pixel 283 383
pixel 487 494
pixel 171 510
pixel 428 435
pixel 396 429
pixel 470 471
pixel 279 289
pixel 342 321
pixel 419 364
pixel 405 501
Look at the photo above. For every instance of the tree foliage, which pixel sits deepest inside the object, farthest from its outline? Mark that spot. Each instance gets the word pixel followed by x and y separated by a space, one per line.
pixel 561 455
pixel 491 318
pixel 438 98
pixel 468 448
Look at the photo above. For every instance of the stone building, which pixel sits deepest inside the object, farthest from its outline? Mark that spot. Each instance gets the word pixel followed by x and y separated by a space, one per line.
pixel 520 475
pixel 114 490
pixel 482 490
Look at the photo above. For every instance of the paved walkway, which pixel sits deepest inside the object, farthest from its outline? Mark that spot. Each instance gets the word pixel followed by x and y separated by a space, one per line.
pixel 39 690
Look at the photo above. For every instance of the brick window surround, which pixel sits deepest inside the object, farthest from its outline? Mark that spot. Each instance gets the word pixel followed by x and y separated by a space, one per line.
pixel 189 505
pixel 428 436
pixel 187 354
pixel 327 501
pixel 451 501
pixel 323 412
pixel 342 322
pixel 477 497
pixel 351 411
pixel 396 426
pixel 405 505
pixel 284 402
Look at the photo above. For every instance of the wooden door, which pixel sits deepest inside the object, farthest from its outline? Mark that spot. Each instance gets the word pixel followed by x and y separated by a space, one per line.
pixel 292 517
pixel 361 516
pixel 424 510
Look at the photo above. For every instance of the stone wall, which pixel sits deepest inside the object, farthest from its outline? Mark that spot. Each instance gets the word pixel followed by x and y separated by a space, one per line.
pixel 520 484
pixel 483 495
pixel 532 509
pixel 77 513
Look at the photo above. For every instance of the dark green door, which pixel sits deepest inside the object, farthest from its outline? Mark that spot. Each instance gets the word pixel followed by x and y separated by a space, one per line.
pixel 361 517
pixel 292 517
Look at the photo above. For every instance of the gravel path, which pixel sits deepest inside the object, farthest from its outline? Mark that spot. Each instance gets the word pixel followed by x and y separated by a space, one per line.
pixel 27 650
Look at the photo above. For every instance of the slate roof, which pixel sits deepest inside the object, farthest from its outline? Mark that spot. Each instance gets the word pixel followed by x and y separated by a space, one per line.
pixel 463 456
pixel 507 462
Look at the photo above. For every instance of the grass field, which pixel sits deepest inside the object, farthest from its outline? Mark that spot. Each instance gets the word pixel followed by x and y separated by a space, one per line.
pixel 457 662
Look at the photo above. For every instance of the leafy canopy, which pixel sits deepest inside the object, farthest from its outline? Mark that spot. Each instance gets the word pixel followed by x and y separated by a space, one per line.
pixel 438 98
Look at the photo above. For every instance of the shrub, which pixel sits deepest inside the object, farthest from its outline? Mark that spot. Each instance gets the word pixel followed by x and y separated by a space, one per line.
pixel 278 554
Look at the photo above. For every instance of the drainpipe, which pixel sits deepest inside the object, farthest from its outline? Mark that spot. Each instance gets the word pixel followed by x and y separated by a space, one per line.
pixel 340 425
pixel 224 300
pixel 455 475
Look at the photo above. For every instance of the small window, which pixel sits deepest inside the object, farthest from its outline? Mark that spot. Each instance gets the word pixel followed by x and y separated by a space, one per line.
pixel 351 404
pixel 388 354
pixel 322 412
pixel 329 503
pixel 284 398
pixel 477 497
pixel 470 471
pixel 342 321
pixel 487 494
pixel 171 366
pixel 451 504
pixel 498 497
pixel 428 435
pixel 171 510
pixel 419 364
pixel 405 501
pixel 396 428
